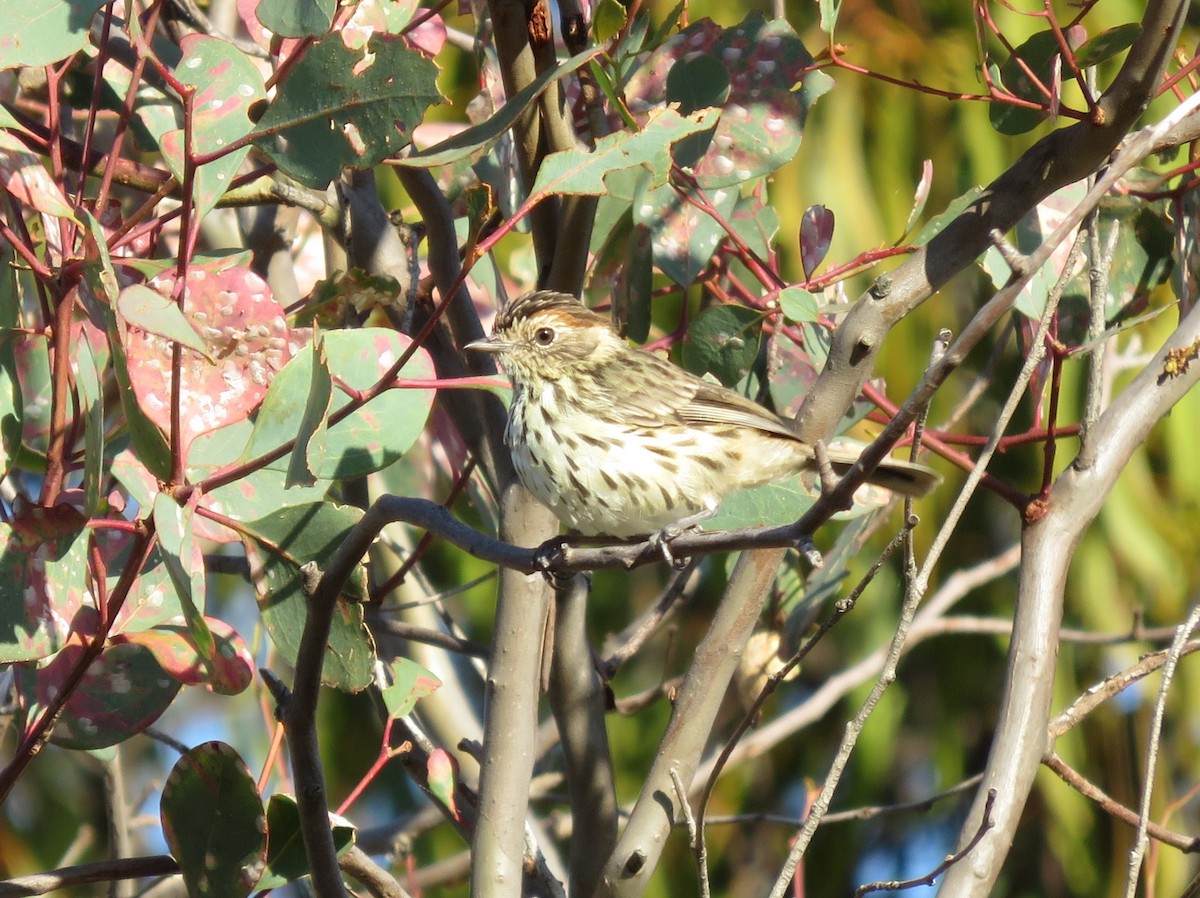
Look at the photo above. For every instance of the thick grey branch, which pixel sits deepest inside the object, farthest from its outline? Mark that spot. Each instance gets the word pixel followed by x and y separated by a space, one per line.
pixel 1048 545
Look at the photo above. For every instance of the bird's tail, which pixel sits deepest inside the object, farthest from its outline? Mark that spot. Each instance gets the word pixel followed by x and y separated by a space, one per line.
pixel 904 477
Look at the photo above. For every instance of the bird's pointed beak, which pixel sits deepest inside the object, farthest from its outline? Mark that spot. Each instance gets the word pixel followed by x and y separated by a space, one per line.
pixel 487 344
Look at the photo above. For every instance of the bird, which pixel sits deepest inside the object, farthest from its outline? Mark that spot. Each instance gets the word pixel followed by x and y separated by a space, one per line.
pixel 621 443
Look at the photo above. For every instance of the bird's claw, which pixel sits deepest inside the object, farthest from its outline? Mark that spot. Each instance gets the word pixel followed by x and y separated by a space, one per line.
pixel 549 558
pixel 661 540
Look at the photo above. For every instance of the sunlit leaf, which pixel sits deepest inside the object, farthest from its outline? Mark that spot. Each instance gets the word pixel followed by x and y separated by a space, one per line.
pixel 334 110
pixel 410 683
pixel 39 32
pixel 584 172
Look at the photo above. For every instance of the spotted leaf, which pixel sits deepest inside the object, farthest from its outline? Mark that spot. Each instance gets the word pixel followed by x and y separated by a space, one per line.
pixel 246 337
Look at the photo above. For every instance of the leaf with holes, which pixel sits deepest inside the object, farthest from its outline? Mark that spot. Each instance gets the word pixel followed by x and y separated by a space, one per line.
pixel 580 171
pixel 371 17
pixel 247 343
pixel 334 109
pixel 227 86
pixel 214 822
pixel 276 547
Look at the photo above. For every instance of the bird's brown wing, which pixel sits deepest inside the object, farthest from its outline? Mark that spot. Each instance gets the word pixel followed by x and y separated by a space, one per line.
pixel 647 391
pixel 715 404
pixel 654 390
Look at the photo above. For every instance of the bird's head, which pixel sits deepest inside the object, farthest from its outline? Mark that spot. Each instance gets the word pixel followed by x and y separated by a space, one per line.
pixel 546 335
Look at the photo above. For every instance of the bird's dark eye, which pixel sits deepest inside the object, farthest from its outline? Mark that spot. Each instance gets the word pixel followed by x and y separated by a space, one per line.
pixel 544 336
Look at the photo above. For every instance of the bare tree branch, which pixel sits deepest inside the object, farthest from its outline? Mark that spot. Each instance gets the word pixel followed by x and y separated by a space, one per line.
pixel 1048 545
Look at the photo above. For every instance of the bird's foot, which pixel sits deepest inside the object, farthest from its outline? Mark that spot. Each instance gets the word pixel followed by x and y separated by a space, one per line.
pixel 549 557
pixel 662 539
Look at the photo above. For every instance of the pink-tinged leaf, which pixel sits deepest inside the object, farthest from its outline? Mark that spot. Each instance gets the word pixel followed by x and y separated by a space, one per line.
pixel 43 581
pixel 921 197
pixel 410 683
pixel 429 37
pixel 442 771
pixel 816 231
pixel 214 822
pixel 123 691
pixel 229 672
pixel 247 11
pixel 26 179
pixel 245 333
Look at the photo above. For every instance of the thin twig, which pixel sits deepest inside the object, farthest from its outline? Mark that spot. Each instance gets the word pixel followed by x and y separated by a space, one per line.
pixel 695 834
pixel 1114 808
pixel 928 879
pixel 1176 652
